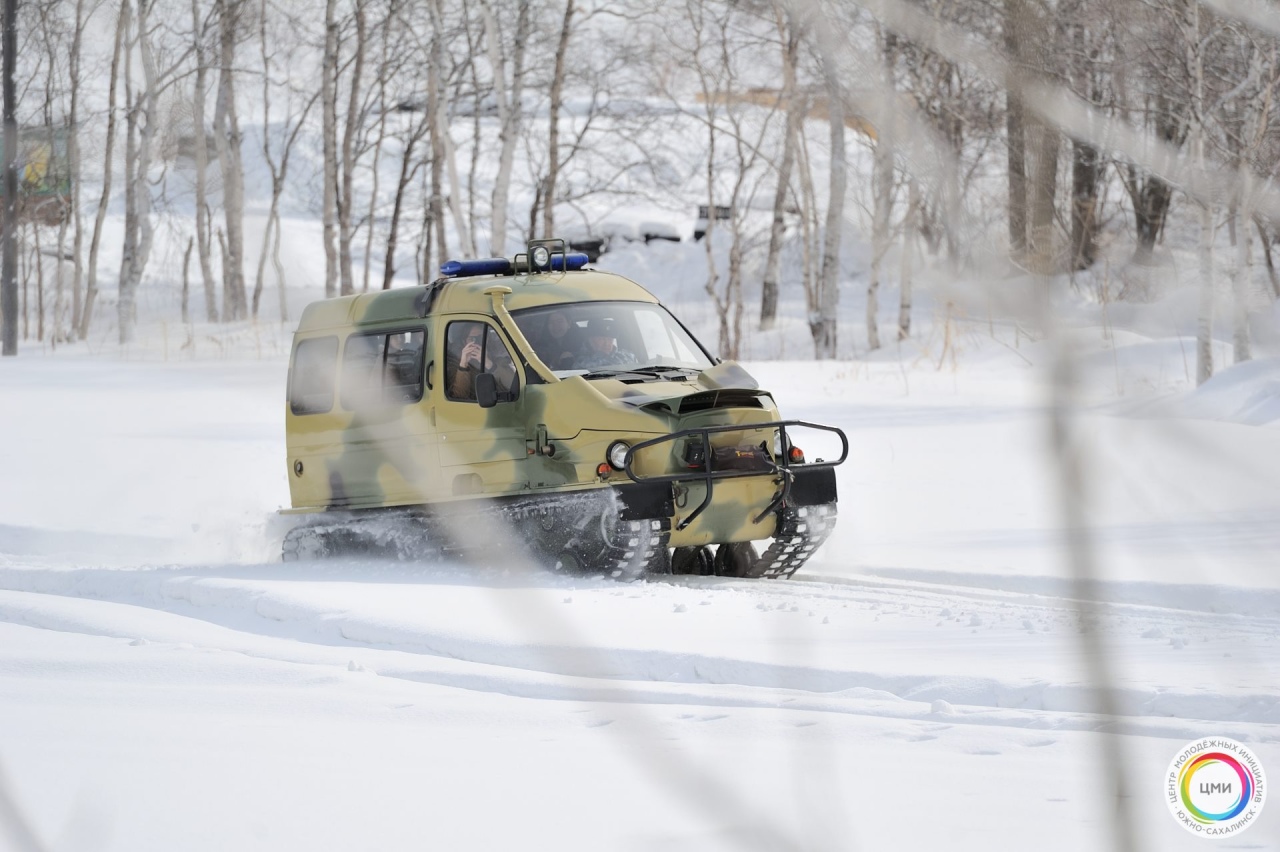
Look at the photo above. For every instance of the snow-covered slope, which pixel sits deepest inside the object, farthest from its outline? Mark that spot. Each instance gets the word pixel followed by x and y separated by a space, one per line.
pixel 166 683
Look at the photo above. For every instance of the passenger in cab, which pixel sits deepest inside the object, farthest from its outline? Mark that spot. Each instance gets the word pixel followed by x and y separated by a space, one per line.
pixel 600 349
pixel 470 354
pixel 559 343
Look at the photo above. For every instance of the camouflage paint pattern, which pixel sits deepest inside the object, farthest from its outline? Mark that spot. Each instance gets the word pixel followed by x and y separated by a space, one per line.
pixel 440 450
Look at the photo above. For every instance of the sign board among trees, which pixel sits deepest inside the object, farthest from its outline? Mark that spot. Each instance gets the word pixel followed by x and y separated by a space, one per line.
pixel 45 175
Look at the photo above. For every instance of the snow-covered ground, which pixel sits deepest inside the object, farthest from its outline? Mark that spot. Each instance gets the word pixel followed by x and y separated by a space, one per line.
pixel 166 683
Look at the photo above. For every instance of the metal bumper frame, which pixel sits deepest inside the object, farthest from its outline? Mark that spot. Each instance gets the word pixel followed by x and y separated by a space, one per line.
pixel 780 467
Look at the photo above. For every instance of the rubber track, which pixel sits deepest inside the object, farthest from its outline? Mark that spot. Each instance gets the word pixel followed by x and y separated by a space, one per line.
pixel 578 531
pixel 801 530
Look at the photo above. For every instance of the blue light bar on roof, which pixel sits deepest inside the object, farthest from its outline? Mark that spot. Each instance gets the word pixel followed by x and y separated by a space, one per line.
pixel 483 266
pixel 503 266
pixel 572 260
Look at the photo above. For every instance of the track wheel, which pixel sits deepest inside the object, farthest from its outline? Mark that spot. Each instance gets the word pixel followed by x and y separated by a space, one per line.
pixel 570 562
pixel 736 559
pixel 692 560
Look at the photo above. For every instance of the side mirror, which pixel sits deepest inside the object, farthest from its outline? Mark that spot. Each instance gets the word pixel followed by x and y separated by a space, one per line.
pixel 486 390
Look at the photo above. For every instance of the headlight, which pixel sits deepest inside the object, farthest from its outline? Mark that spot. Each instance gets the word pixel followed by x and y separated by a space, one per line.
pixel 541 257
pixel 617 454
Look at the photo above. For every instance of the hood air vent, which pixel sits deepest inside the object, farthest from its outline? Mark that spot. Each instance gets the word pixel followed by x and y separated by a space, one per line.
pixel 707 400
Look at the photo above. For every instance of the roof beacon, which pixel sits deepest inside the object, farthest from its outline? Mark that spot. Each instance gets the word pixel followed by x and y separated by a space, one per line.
pixel 542 261
pixel 483 266
pixel 572 260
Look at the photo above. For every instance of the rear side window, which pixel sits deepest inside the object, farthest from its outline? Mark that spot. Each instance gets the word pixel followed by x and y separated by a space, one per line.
pixel 315 363
pixel 382 369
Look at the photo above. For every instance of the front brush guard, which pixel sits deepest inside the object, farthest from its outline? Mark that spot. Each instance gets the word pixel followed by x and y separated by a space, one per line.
pixel 780 467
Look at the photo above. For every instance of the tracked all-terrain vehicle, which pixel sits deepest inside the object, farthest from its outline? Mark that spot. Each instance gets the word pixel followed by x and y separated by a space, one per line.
pixel 536 403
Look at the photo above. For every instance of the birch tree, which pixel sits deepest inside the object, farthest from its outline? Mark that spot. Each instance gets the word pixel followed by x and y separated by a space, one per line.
pixel 226 124
pixel 823 315
pixel 548 188
pixel 508 95
pixel 140 112
pixel 104 199
pixel 277 155
pixel 199 29
pixel 881 183
pixel 329 137
pixel 796 106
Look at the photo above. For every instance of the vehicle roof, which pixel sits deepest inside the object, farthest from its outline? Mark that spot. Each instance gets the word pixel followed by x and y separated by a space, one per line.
pixel 467 295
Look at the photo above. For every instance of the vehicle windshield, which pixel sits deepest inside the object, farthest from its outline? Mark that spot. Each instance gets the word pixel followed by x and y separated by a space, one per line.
pixel 610 338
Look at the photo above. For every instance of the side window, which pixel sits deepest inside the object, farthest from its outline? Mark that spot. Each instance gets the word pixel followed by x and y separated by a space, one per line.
pixel 382 369
pixel 402 370
pixel 361 371
pixel 473 348
pixel 315 363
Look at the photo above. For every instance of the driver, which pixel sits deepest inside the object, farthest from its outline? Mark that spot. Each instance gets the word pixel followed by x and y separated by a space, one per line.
pixel 600 349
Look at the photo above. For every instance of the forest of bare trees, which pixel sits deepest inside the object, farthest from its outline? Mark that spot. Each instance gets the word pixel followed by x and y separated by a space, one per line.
pixel 1047 133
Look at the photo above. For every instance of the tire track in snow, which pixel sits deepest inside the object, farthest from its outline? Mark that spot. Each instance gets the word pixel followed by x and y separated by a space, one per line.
pixel 250 611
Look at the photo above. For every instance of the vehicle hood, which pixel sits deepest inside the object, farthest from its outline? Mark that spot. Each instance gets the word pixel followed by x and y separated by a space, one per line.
pixel 726 385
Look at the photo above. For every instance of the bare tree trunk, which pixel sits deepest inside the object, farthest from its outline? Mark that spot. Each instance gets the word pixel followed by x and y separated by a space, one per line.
pixel 1043 196
pixel 553 140
pixel 91 282
pixel 446 151
pixel 1264 237
pixel 1086 162
pixel 260 272
pixel 227 135
pixel 39 255
pixel 201 141
pixel 434 226
pixel 823 322
pixel 436 108
pixel 881 188
pixel 329 130
pixel 1041 32
pixel 734 293
pixel 383 71
pixel 1204 314
pixel 1014 33
pixel 266 153
pixel 140 128
pixel 1244 266
pixel 909 228
pixel 708 238
pixel 808 225
pixel 25 273
pixel 279 172
pixel 279 270
pixel 346 195
pixel 407 170
pixel 795 116
pixel 1086 174
pixel 186 281
pixel 373 210
pixel 73 155
pixel 406 175
pixel 509 113
pixel 1204 318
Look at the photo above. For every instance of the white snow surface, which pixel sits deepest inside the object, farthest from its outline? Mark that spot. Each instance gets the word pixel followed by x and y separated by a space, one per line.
pixel 166 683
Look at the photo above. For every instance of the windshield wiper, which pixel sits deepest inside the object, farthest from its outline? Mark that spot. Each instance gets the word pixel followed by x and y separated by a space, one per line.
pixel 652 371
pixel 664 368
